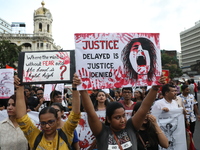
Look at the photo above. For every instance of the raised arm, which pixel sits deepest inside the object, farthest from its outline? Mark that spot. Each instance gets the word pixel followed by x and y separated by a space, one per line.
pixel 93 119
pixel 75 95
pixel 140 115
pixel 20 99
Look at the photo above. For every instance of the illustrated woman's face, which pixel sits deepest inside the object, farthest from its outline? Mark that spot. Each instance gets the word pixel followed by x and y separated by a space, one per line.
pixel 139 58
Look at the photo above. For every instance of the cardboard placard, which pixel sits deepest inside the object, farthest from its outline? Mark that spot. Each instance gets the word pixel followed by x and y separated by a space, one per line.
pixel 115 60
pixel 40 67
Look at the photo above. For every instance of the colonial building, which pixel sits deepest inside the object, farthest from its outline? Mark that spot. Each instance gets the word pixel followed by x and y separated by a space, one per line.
pixel 41 39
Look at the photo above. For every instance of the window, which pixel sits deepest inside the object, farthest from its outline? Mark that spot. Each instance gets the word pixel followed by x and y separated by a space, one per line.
pixel 40 27
pixel 48 28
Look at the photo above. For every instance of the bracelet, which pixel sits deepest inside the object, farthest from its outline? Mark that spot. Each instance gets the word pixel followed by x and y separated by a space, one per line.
pixel 74 89
pixel 156 89
pixel 159 132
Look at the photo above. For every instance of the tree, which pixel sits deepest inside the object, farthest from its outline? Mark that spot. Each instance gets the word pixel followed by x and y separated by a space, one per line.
pixel 9 53
pixel 171 63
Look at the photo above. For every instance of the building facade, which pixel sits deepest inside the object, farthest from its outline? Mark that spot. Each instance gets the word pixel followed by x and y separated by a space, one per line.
pixel 41 39
pixel 190 46
pixel 5 27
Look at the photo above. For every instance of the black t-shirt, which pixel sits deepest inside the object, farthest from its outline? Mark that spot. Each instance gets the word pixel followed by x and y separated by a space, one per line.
pixel 145 137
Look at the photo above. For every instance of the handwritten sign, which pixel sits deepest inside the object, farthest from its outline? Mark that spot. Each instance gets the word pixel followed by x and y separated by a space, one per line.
pixel 46 67
pixel 6 83
pixel 115 60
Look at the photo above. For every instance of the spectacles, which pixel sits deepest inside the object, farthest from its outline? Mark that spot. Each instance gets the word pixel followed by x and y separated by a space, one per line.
pixel 126 92
pixel 39 93
pixel 50 123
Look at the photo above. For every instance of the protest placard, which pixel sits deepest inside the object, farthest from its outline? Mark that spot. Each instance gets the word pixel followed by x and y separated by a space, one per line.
pixel 6 83
pixel 166 75
pixel 48 88
pixel 39 67
pixel 115 60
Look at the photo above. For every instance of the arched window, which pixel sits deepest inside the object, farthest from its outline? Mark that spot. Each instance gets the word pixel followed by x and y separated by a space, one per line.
pixel 48 28
pixel 40 26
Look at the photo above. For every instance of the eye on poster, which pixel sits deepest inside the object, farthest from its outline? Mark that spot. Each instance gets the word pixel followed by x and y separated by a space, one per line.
pixel 115 60
pixel 40 67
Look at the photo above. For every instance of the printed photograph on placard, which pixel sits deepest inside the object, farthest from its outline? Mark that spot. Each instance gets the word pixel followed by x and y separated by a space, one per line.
pixel 114 60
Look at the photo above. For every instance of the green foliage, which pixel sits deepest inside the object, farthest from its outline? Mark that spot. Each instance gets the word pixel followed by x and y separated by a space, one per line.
pixel 9 54
pixel 171 63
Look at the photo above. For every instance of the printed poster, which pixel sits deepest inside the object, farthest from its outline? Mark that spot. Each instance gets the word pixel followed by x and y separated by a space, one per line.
pixel 39 67
pixel 115 60
pixel 6 83
pixel 172 123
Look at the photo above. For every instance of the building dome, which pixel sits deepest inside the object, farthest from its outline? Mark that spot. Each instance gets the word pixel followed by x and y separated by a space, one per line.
pixel 43 11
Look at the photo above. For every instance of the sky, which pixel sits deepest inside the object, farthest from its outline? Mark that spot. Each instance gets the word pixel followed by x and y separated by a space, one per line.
pixel 167 17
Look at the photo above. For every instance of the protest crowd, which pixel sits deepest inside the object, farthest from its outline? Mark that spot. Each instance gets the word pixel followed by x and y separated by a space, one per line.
pixel 18 132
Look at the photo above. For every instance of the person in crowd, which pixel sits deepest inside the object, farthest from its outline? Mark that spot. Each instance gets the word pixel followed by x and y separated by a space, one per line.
pixel 60 111
pixel 33 90
pixel 117 132
pixel 11 136
pixel 2 107
pixel 190 86
pixel 56 96
pixel 150 135
pixel 191 108
pixel 29 98
pixel 127 102
pixel 138 95
pixel 195 88
pixel 101 101
pixel 40 102
pixel 51 138
pixel 118 95
pixel 94 95
pixel 168 102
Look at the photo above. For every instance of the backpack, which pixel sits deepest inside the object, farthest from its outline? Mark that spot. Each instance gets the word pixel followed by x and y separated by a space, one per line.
pixel 60 134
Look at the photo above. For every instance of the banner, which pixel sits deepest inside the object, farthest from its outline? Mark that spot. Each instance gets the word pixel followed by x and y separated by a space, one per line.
pixel 115 60
pixel 172 124
pixel 40 67
pixel 6 83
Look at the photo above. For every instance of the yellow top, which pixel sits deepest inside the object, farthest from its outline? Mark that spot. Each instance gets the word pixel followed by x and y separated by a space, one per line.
pixel 31 132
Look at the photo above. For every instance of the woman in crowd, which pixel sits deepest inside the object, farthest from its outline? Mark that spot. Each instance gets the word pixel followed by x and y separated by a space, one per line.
pixel 11 136
pixel 60 111
pixel 117 132
pixel 50 137
pixel 101 101
pixel 138 95
pixel 150 135
pixel 117 95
